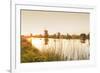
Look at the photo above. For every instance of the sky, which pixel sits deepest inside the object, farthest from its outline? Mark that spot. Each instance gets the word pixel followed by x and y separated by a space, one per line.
pixel 36 22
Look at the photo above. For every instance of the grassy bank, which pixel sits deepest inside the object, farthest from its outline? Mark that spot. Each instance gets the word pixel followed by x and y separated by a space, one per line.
pixel 31 54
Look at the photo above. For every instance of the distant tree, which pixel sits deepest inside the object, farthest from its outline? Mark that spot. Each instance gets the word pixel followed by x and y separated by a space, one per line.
pixel 54 35
pixel 88 36
pixel 74 36
pixel 40 36
pixel 83 37
pixel 46 34
pixel 68 36
pixel 58 35
pixel 31 34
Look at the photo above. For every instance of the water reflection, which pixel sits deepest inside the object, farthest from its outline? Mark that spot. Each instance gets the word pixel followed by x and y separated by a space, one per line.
pixel 46 37
pixel 46 40
pixel 67 49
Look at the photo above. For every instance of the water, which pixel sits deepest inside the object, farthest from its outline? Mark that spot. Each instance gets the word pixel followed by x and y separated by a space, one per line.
pixel 71 49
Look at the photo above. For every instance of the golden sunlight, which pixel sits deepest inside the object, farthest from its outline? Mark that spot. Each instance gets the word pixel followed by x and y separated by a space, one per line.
pixel 37 43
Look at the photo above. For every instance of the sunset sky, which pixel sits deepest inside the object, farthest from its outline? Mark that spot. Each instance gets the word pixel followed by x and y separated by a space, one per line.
pixel 36 22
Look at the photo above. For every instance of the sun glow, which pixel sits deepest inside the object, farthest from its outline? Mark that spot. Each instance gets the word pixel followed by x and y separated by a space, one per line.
pixel 37 43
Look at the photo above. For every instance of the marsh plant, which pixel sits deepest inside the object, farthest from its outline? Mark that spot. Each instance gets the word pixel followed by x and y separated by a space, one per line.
pixel 56 49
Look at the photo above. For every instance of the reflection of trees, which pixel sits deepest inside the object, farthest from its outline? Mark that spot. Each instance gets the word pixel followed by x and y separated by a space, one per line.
pixel 88 36
pixel 46 37
pixel 83 37
pixel 58 35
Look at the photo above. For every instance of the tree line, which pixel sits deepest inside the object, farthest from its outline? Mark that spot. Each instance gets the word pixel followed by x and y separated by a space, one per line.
pixel 58 35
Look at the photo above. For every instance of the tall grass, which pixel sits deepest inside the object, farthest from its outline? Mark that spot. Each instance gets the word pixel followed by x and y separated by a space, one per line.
pixel 29 53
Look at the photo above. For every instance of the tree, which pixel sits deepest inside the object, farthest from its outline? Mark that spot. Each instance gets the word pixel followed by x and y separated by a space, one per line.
pixel 68 36
pixel 88 36
pixel 58 35
pixel 46 37
pixel 46 34
pixel 83 37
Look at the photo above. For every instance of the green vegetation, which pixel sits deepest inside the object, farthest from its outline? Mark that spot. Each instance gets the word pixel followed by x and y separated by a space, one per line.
pixel 31 54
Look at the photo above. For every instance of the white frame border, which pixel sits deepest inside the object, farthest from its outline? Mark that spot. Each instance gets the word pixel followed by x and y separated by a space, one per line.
pixel 15 65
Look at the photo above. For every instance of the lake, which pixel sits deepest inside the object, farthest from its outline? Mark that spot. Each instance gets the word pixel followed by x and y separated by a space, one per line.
pixel 71 49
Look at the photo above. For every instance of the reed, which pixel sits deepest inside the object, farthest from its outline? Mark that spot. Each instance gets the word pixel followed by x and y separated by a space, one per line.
pixel 29 53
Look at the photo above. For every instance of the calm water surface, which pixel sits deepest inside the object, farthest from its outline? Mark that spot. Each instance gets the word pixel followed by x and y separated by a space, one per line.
pixel 70 49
